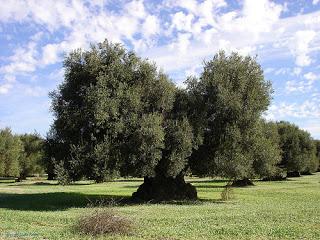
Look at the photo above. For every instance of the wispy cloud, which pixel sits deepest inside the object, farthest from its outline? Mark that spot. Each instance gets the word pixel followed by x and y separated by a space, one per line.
pixel 177 34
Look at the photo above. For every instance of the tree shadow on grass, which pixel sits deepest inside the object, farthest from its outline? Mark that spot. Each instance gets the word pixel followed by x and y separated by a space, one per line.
pixel 48 184
pixel 59 201
pixel 208 186
pixel 56 201
pixel 207 181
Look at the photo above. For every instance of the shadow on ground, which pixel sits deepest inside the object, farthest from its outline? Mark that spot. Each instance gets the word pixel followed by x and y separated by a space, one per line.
pixel 56 201
pixel 48 184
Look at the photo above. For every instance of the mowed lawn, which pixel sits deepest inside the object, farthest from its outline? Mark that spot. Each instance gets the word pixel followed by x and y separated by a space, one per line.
pixel 269 210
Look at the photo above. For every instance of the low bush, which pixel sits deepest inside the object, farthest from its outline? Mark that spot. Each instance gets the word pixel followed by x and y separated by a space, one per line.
pixel 227 193
pixel 101 222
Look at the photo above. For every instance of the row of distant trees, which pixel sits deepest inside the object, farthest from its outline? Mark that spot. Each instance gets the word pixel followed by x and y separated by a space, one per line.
pixel 118 115
pixel 295 153
pixel 21 155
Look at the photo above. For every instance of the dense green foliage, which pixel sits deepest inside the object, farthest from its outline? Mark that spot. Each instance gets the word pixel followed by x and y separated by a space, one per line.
pixel 267 152
pixel 230 97
pixel 114 116
pixel 118 115
pixel 31 159
pixel 317 146
pixel 20 156
pixel 10 153
pixel 298 149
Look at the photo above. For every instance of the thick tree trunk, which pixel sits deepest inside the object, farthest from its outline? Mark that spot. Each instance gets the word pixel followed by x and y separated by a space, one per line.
pixel 51 176
pixel 275 178
pixel 242 183
pixel 294 174
pixel 164 189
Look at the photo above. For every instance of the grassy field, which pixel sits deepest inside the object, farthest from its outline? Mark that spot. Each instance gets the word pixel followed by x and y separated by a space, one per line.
pixel 269 210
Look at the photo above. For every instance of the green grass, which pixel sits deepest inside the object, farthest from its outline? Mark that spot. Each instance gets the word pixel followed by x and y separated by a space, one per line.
pixel 270 210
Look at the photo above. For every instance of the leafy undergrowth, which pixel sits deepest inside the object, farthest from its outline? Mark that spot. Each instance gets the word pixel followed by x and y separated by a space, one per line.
pixel 269 210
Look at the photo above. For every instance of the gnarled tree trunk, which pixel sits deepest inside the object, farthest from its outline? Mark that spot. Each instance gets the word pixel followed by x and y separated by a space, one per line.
pixel 294 174
pixel 162 188
pixel 242 183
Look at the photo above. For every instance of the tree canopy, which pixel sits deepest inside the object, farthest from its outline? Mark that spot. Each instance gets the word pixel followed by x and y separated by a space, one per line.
pixel 114 116
pixel 232 94
pixel 10 152
pixel 31 159
pixel 298 149
pixel 118 115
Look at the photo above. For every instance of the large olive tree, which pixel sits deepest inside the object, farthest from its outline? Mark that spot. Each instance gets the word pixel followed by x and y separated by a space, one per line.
pixel 230 97
pixel 116 114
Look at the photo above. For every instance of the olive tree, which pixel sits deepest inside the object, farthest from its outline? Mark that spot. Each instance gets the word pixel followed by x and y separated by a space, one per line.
pixel 298 149
pixel 31 160
pixel 10 152
pixel 115 115
pixel 231 96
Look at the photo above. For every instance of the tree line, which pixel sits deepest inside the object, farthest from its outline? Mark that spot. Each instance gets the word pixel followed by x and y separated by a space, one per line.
pixel 21 155
pixel 116 114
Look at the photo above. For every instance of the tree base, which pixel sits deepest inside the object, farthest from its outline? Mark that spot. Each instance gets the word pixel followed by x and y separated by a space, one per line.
pixel 242 183
pixel 165 189
pixel 280 176
pixel 293 174
pixel 274 178
pixel 51 177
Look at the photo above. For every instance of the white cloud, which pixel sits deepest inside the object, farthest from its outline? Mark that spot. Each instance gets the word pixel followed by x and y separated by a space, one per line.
pixel 297 71
pixel 298 86
pixel 22 61
pixel 136 9
pixel 306 109
pixel 4 88
pixel 301 47
pixel 282 71
pixel 150 26
pixel 315 2
pixel 194 34
pixel 182 43
pixel 310 76
pixel 313 127
pixel 35 91
pixel 182 22
pixel 13 10
pixel 303 86
pixel 9 78
pixel 50 53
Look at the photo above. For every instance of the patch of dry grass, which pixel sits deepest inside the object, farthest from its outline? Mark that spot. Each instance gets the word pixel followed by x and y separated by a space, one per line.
pixel 104 221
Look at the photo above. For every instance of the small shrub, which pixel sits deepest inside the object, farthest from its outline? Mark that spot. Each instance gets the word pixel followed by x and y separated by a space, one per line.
pixel 103 222
pixel 227 193
pixel 61 174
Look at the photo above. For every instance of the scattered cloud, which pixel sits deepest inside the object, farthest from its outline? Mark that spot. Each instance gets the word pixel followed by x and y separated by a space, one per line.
pixel 177 34
pixel 301 50
pixel 4 88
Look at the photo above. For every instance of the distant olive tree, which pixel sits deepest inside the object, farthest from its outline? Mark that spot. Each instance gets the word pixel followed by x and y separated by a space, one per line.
pixel 317 148
pixel 11 149
pixel 298 149
pixel 31 159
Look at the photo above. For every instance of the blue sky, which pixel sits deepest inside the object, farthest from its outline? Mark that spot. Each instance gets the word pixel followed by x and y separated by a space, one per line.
pixel 177 34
